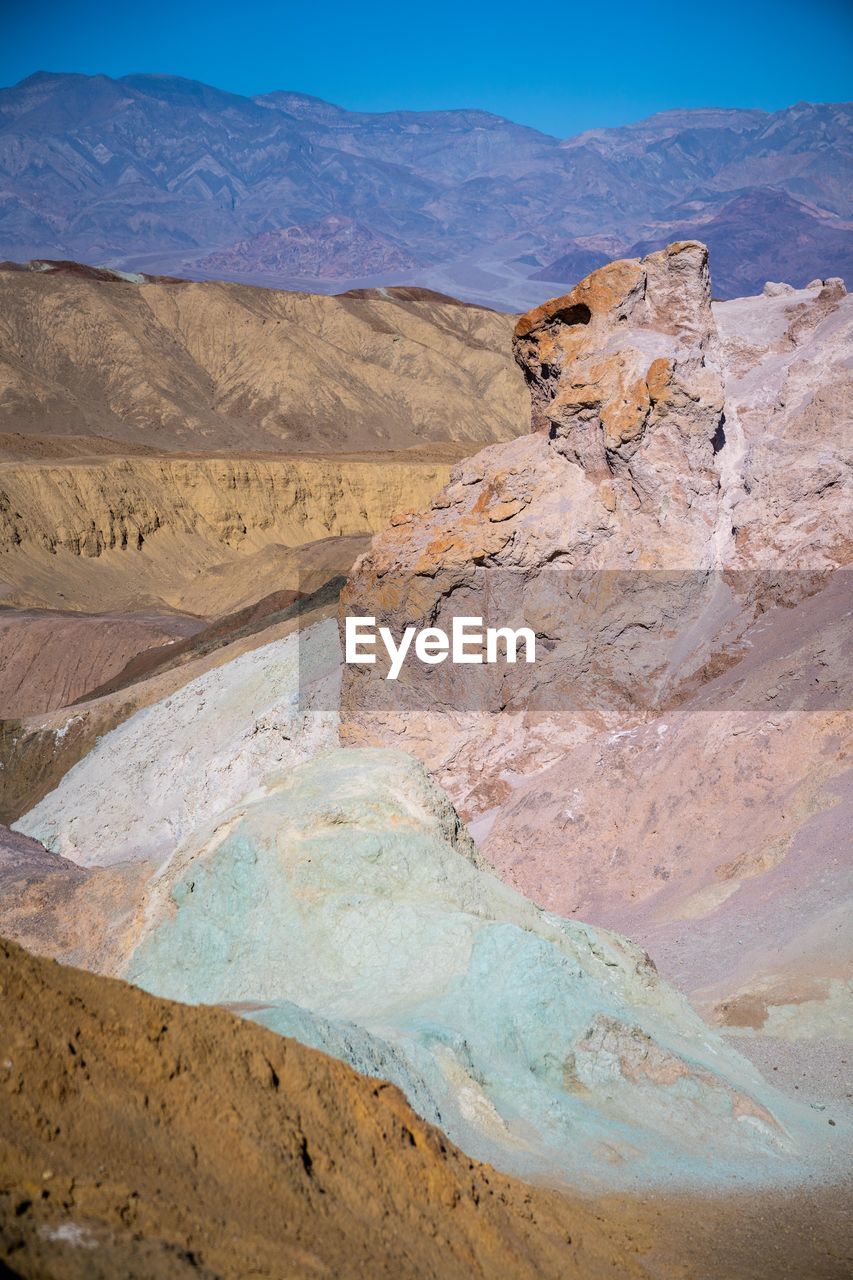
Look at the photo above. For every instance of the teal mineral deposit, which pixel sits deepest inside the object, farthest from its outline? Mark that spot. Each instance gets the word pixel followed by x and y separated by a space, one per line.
pixel 348 907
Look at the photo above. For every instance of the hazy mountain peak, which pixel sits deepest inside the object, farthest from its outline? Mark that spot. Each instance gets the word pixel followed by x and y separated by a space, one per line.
pixel 167 175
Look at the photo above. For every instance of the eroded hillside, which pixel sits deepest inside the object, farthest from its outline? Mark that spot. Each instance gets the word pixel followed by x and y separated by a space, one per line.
pixel 225 367
pixel 198 534
pixel 677 531
pixel 142 1138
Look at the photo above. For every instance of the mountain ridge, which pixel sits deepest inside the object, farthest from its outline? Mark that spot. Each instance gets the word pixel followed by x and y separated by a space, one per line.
pixel 168 175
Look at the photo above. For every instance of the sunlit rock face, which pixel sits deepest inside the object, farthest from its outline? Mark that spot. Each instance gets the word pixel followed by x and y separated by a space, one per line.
pixel 688 469
pixel 712 829
pixel 676 530
pixel 598 530
pixel 787 466
pixel 625 378
pixel 349 908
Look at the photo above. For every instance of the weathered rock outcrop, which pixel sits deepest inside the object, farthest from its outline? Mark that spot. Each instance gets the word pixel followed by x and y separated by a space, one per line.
pixel 624 376
pixel 676 532
pixel 600 531
pixel 638 530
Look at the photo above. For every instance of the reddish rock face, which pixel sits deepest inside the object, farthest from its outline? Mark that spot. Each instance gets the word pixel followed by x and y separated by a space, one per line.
pixel 628 356
pixel 598 531
pixel 673 531
pixel 671 474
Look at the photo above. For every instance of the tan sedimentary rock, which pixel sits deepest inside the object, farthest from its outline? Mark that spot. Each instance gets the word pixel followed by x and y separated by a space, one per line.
pixel 124 533
pixel 99 378
pixel 227 367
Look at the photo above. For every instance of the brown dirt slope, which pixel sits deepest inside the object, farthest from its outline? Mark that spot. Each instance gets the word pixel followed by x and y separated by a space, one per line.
pixel 15 446
pixel 150 1140
pixel 145 1138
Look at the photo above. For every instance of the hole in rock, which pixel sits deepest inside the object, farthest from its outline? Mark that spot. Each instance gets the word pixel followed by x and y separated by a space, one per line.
pixel 718 439
pixel 578 313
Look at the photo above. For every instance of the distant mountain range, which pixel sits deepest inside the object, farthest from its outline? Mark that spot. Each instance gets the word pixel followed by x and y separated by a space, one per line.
pixel 161 174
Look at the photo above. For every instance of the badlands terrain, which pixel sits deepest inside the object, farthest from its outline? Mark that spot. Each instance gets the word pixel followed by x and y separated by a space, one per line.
pixel 678 530
pixel 196 426
pixel 582 920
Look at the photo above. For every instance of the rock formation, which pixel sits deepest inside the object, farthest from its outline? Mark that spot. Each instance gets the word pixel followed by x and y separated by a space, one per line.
pixel 600 530
pixel 625 379
pixel 628 528
pixel 676 531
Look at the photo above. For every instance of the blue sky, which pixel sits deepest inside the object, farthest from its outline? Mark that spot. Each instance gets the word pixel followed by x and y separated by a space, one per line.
pixel 561 68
